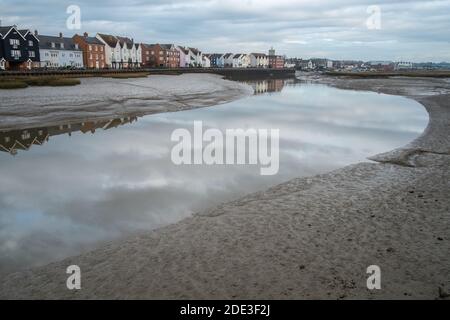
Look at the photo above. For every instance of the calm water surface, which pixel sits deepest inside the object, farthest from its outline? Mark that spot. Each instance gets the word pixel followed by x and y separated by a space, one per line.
pixel 81 185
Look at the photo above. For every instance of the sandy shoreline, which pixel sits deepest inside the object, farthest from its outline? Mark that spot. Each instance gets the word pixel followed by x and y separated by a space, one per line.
pixel 106 98
pixel 307 238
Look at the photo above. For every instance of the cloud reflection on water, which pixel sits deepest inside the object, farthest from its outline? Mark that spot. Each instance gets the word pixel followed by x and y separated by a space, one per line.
pixel 75 192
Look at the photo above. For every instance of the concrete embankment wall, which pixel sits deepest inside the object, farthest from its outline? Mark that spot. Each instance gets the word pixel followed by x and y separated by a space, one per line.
pixel 234 73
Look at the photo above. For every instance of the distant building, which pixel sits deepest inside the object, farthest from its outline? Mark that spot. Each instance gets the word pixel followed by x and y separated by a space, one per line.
pixel 195 57
pixel 259 60
pixel 93 51
pixel 216 60
pixel 381 65
pixel 275 62
pixel 228 60
pixel 19 49
pixel 121 52
pixel 271 51
pixel 206 62
pixel 161 55
pixel 403 65
pixel 59 52
pixel 241 60
pixel 184 56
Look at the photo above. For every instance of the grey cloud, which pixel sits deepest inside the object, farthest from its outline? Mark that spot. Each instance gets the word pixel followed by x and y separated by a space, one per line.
pixel 413 30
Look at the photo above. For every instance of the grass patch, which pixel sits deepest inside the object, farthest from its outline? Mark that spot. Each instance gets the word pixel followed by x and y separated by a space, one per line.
pixel 125 75
pixel 12 84
pixel 19 83
pixel 51 81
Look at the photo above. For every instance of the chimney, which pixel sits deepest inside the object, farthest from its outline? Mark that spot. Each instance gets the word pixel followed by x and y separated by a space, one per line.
pixel 36 33
pixel 86 34
pixel 60 35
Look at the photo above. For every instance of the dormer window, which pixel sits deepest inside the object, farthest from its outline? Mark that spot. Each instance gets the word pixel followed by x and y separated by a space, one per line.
pixel 76 46
pixel 53 45
pixel 62 45
pixel 30 43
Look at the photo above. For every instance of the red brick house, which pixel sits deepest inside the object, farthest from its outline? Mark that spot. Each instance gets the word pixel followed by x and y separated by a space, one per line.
pixel 93 51
pixel 276 62
pixel 160 55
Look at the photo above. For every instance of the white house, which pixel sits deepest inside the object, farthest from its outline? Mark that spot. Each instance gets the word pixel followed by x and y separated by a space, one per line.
pixel 121 52
pixel 195 56
pixel 206 61
pixel 184 56
pixel 241 60
pixel 228 60
pixel 259 60
pixel 404 65
pixel 59 52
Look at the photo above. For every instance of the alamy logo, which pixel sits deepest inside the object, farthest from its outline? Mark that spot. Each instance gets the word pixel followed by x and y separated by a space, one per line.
pixel 373 22
pixel 73 22
pixel 236 146
pixel 374 280
pixel 74 280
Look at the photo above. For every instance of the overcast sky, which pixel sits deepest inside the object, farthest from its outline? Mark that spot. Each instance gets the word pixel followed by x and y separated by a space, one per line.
pixel 337 29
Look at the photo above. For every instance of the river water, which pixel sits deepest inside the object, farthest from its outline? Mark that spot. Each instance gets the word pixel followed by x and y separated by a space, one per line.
pixel 72 187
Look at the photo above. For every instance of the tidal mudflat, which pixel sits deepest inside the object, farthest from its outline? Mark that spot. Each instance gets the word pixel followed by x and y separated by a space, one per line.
pixel 311 237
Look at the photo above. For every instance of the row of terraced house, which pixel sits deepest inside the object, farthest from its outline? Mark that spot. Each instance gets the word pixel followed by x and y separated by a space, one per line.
pixel 22 49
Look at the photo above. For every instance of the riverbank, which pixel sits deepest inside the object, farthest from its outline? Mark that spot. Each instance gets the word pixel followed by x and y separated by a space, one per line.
pixel 226 72
pixel 307 238
pixel 104 98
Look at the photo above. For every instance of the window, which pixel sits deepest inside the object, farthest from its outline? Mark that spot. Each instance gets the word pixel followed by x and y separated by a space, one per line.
pixel 14 42
pixel 62 45
pixel 53 45
pixel 16 53
pixel 90 48
pixel 30 43
pixel 31 54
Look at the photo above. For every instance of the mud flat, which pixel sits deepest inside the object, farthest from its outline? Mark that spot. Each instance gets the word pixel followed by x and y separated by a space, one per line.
pixel 307 238
pixel 104 98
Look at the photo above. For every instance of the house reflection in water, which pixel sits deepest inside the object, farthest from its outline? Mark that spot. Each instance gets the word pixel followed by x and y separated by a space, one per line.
pixel 23 139
pixel 264 86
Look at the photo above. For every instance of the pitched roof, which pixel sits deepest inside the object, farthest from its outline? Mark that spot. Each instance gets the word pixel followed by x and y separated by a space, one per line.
pixel 91 40
pixel 185 50
pixel 109 39
pixel 125 41
pixel 166 46
pixel 259 54
pixel 45 42
pixel 5 30
pixel 228 55
pixel 195 51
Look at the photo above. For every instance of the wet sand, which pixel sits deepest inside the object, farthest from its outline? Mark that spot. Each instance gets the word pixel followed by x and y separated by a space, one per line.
pixel 106 98
pixel 307 238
